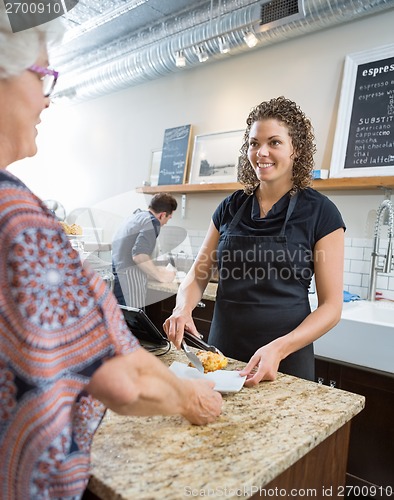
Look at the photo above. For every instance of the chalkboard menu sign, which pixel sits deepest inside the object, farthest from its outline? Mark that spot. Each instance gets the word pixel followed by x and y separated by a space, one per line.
pixel 175 155
pixel 365 130
pixel 371 137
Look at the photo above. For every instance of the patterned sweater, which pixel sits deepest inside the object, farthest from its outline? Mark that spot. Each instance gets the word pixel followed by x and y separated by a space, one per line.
pixel 58 323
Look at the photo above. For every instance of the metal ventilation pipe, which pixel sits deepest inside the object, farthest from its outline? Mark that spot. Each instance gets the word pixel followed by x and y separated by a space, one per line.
pixel 151 53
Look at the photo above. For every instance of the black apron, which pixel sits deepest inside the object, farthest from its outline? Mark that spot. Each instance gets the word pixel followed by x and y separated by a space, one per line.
pixel 259 296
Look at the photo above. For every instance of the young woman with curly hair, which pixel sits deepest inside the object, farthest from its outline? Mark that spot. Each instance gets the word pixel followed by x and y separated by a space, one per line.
pixel 268 240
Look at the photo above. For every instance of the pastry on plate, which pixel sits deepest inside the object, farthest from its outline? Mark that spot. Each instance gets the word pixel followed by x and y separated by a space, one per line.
pixel 73 229
pixel 212 361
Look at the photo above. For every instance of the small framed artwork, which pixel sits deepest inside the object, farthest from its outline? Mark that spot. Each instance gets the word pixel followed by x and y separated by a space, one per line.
pixel 155 167
pixel 364 136
pixel 215 157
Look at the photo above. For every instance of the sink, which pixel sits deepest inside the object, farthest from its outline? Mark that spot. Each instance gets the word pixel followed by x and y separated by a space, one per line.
pixel 364 336
pixel 379 313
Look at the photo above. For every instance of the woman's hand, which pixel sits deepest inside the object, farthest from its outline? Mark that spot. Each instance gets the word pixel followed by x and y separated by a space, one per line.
pixel 177 323
pixel 263 365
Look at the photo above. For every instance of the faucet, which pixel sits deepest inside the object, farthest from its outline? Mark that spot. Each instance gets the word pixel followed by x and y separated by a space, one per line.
pixel 385 206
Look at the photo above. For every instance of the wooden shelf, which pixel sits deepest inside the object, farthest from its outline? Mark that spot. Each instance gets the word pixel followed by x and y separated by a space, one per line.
pixel 354 183
pixel 191 188
pixel 348 183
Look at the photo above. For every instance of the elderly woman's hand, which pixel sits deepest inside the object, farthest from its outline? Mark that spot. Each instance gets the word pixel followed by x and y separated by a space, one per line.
pixel 179 321
pixel 204 404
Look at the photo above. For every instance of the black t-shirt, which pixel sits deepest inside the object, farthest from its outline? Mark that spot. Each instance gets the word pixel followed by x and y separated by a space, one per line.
pixel 314 217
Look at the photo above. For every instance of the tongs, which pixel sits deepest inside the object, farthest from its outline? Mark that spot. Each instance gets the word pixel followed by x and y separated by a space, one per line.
pixel 200 344
pixel 193 358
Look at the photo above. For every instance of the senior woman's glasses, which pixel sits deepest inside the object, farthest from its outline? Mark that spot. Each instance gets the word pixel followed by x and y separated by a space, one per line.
pixel 48 77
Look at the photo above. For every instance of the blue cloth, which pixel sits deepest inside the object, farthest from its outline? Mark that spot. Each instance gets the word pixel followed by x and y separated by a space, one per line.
pixel 349 297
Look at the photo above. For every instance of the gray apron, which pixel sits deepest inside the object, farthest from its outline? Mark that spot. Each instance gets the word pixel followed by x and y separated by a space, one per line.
pixel 259 296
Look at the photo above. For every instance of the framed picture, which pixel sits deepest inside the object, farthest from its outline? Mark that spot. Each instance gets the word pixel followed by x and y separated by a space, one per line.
pixel 364 136
pixel 155 167
pixel 215 157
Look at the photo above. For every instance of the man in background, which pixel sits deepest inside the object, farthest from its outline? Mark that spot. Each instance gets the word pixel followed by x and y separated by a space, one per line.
pixel 132 248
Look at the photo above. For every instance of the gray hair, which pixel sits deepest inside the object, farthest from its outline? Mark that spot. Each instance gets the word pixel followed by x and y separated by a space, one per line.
pixel 22 49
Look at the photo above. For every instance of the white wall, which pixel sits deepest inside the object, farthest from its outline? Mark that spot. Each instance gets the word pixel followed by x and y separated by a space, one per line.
pixel 94 154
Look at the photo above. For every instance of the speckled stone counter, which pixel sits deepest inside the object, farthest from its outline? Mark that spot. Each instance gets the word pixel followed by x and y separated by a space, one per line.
pixel 172 289
pixel 261 433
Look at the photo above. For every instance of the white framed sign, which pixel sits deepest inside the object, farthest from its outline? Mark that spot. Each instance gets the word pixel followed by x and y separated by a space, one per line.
pixel 364 136
pixel 155 167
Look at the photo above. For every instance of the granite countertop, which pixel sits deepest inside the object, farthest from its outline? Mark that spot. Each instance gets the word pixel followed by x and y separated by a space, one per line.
pixel 172 288
pixel 261 433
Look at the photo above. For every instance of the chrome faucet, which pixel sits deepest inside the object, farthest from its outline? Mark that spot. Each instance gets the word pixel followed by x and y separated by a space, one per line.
pixel 387 265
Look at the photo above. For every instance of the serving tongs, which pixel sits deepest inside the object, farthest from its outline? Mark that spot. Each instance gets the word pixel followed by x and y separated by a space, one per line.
pixel 193 358
pixel 200 344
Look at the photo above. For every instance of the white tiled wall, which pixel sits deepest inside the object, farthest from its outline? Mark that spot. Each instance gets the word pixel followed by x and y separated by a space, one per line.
pixel 192 244
pixel 357 268
pixel 357 263
pixel 196 239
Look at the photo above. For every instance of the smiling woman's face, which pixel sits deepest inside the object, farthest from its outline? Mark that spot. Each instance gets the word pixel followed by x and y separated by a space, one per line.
pixel 21 103
pixel 270 151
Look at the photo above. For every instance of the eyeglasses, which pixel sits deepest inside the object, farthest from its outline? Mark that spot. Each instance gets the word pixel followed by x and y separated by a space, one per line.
pixel 48 76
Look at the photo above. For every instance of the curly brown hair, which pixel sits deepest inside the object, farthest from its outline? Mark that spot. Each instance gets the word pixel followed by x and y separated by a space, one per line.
pixel 301 132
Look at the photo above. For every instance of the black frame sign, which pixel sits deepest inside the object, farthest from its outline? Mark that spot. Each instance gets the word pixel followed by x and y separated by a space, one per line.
pixel 175 155
pixel 364 136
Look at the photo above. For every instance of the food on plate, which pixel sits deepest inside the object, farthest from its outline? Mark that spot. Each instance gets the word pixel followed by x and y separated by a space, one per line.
pixel 211 361
pixel 73 229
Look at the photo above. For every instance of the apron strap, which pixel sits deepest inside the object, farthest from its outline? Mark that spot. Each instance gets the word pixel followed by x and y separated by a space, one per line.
pixel 290 210
pixel 239 214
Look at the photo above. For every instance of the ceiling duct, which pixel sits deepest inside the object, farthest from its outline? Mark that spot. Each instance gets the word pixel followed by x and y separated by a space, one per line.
pixel 150 52
pixel 277 12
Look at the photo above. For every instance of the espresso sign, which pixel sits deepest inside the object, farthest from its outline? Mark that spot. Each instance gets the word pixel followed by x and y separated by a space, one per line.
pixel 371 134
pixel 364 141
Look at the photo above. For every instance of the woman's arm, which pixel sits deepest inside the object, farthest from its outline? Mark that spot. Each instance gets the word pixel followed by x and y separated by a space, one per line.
pixel 328 261
pixel 192 289
pixel 140 384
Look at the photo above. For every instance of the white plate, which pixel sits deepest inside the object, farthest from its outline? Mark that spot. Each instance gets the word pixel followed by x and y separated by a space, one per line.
pixel 74 236
pixel 225 380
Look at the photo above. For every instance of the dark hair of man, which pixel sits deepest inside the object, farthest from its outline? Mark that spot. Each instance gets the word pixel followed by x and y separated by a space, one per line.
pixel 163 202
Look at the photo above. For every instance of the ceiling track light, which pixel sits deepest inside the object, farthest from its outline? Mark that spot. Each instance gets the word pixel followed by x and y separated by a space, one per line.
pixel 250 39
pixel 201 53
pixel 222 41
pixel 224 46
pixel 180 59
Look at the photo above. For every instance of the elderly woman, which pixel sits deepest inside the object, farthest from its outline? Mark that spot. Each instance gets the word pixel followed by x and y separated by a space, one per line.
pixel 268 240
pixel 65 351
